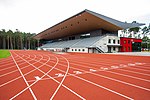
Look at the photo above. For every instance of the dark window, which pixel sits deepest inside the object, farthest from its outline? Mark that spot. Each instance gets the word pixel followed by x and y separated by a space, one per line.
pixel 109 41
pixel 75 49
pixel 78 49
pixel 118 41
pixel 83 50
pixel 128 41
pixel 114 41
pixel 72 49
pixel 114 48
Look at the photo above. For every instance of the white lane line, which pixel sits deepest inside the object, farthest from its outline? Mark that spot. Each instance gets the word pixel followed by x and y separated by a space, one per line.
pixel 104 88
pixel 7 68
pixel 46 74
pixel 121 81
pixel 32 83
pixel 19 76
pixel 23 79
pixel 129 76
pixel 139 69
pixel 8 64
pixel 97 85
pixel 133 72
pixel 122 66
pixel 100 63
pixel 116 80
pixel 143 67
pixel 12 66
pixel 61 80
pixel 15 70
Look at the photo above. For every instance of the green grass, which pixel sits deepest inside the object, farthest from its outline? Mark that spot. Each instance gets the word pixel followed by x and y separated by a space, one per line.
pixel 4 54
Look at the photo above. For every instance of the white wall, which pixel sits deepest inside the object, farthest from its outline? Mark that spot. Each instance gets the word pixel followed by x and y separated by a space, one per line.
pixel 103 43
pixel 53 49
pixel 78 50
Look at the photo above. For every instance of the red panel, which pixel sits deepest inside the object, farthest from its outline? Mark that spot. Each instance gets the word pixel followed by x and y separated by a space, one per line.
pixel 126 43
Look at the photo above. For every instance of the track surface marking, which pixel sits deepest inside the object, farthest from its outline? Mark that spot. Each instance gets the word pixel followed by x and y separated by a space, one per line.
pixel 42 75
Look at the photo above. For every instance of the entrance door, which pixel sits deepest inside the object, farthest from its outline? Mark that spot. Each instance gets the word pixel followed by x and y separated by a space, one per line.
pixel 109 49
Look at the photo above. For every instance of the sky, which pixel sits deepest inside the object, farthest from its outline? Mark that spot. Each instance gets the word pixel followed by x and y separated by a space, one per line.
pixel 35 16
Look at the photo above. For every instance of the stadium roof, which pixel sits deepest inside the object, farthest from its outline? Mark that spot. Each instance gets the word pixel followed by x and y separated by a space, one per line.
pixel 84 22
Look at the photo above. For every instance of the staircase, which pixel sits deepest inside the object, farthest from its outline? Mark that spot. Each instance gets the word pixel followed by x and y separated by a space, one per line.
pixel 99 49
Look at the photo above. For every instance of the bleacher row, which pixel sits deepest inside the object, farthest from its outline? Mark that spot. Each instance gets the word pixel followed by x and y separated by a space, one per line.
pixel 78 43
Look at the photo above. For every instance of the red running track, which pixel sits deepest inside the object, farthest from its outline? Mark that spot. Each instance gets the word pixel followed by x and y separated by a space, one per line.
pixel 41 75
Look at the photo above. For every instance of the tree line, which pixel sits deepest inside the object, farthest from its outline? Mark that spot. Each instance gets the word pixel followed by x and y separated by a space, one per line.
pixel 132 32
pixel 17 40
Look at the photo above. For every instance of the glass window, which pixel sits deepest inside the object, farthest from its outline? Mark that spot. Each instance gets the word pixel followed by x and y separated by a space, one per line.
pixel 124 48
pixel 72 49
pixel 114 48
pixel 128 48
pixel 114 41
pixel 78 49
pixel 118 41
pixel 109 41
pixel 75 49
pixel 83 50
pixel 124 41
pixel 128 41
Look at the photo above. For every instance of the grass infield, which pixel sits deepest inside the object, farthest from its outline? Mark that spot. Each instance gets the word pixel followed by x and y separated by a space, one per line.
pixel 4 54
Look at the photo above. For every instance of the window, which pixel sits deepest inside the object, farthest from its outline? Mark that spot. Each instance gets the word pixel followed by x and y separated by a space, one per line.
pixel 124 48
pixel 124 41
pixel 72 49
pixel 118 41
pixel 114 41
pixel 109 41
pixel 128 41
pixel 78 49
pixel 83 50
pixel 128 48
pixel 114 48
pixel 75 49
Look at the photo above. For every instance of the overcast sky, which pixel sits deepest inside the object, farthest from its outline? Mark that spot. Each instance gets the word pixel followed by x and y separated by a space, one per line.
pixel 37 15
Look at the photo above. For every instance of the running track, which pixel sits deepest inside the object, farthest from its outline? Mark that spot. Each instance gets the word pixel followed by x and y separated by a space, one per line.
pixel 41 75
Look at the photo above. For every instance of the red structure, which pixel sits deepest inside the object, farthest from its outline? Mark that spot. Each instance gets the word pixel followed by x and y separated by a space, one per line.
pixel 130 44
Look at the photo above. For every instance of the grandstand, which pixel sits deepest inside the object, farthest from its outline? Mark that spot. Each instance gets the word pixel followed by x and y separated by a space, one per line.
pixel 87 32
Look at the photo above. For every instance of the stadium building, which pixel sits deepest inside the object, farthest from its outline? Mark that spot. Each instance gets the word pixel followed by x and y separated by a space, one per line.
pixel 86 32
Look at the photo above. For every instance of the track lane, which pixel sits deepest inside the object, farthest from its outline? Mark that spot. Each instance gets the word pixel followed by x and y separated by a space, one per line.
pixel 87 78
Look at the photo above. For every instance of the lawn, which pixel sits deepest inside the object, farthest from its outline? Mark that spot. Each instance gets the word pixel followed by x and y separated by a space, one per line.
pixel 4 54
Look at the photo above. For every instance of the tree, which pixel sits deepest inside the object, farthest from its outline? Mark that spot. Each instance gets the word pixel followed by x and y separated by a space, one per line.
pixel 135 30
pixel 146 42
pixel 4 35
pixel 17 40
pixel 145 30
pixel 10 34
